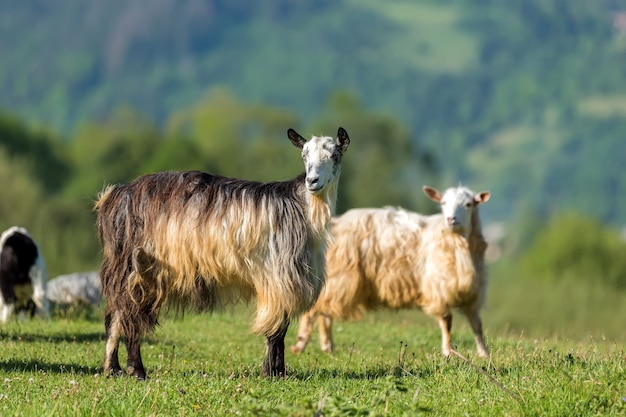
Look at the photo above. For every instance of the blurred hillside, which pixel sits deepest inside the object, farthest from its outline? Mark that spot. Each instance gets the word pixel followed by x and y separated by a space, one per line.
pixel 526 98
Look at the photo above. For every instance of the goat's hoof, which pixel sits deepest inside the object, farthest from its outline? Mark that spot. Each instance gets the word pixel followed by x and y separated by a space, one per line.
pixel 140 374
pixel 280 373
pixel 113 372
pixel 295 349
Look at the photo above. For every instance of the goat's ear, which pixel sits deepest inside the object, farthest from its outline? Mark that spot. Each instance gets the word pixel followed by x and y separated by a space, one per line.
pixel 432 193
pixel 343 139
pixel 296 139
pixel 482 197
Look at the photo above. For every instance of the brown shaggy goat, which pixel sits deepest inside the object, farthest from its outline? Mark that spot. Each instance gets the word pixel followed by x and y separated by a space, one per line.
pixel 196 240
pixel 398 259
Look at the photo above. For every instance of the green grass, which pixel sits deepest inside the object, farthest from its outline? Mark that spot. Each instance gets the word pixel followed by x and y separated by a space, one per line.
pixel 386 364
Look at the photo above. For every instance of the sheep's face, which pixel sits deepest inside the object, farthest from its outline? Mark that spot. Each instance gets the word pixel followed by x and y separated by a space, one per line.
pixel 457 206
pixel 322 158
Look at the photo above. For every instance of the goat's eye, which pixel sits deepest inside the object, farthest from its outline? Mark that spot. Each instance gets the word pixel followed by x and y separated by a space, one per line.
pixel 468 205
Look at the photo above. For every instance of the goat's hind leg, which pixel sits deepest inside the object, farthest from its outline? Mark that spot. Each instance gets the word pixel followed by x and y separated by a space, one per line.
pixel 325 323
pixel 134 364
pixel 113 331
pixel 140 317
pixel 307 321
pixel 113 323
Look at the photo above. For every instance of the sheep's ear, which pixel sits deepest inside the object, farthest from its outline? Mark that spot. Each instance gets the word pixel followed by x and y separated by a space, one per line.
pixel 296 139
pixel 482 197
pixel 432 193
pixel 343 139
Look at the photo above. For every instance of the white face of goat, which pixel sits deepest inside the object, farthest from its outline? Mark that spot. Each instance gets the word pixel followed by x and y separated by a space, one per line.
pixel 322 158
pixel 457 206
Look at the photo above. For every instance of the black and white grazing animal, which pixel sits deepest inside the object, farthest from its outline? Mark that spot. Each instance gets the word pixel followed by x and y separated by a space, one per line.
pixel 196 240
pixel 22 275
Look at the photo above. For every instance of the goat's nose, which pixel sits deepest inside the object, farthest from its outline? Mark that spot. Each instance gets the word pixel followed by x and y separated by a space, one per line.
pixel 312 180
pixel 450 220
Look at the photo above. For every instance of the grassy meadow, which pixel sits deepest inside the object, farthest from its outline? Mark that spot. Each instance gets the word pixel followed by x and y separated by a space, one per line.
pixel 545 361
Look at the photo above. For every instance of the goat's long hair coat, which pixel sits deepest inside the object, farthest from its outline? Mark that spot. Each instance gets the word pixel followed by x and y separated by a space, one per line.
pixel 194 239
pixel 378 257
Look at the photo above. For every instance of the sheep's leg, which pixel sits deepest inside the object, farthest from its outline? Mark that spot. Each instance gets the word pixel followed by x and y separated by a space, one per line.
pixel 6 312
pixel 445 324
pixel 113 331
pixel 274 363
pixel 307 321
pixel 477 327
pixel 8 299
pixel 30 309
pixel 326 335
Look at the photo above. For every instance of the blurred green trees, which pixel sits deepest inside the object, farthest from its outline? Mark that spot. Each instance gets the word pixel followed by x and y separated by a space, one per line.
pixel 50 185
pixel 384 164
pixel 576 248
pixel 511 95
pixel 110 151
pixel 236 139
pixel 39 152
pixel 22 193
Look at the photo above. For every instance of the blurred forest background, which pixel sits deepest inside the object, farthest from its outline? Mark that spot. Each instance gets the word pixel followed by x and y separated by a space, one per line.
pixel 526 98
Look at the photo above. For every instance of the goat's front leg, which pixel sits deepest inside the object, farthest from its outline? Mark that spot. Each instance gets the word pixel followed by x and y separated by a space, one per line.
pixel 274 363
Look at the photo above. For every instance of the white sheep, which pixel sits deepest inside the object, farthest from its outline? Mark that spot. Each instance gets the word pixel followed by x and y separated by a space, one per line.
pixel 395 258
pixel 75 288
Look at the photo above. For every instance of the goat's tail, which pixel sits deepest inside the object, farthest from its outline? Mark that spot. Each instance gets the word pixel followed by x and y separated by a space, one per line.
pixel 103 196
pixel 145 285
pixel 100 207
pixel 130 279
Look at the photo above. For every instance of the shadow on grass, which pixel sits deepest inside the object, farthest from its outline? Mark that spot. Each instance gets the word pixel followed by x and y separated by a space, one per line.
pixel 242 371
pixel 53 338
pixel 15 365
pixel 366 374
pixel 93 337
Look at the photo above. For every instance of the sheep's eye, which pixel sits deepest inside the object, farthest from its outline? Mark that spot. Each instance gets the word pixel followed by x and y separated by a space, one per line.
pixel 468 205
